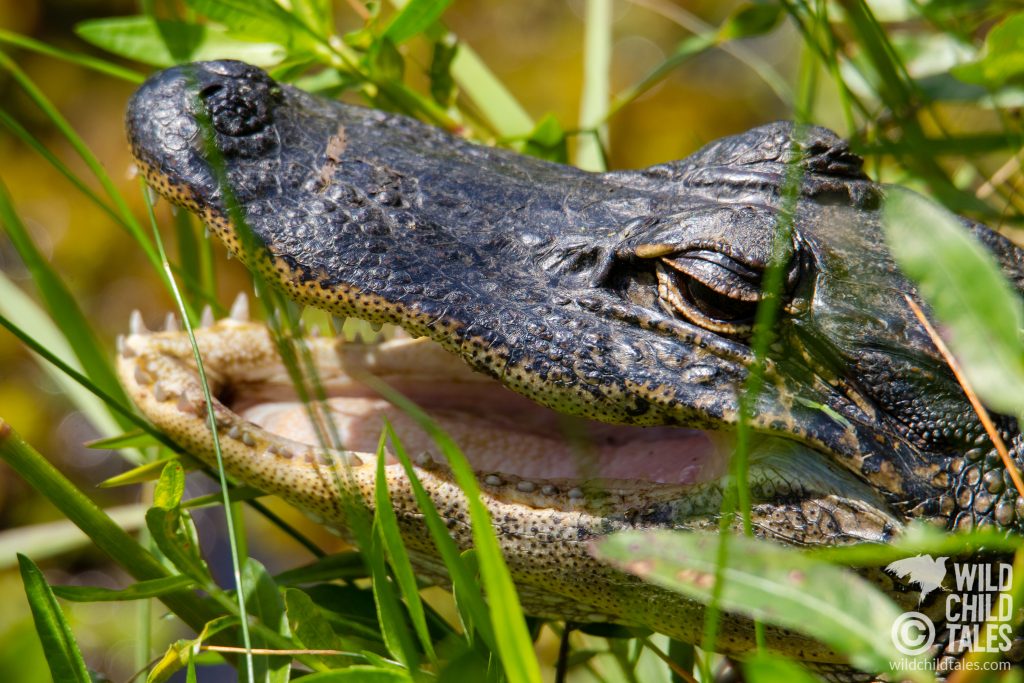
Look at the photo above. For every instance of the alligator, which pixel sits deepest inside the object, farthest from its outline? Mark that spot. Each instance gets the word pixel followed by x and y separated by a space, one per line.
pixel 585 337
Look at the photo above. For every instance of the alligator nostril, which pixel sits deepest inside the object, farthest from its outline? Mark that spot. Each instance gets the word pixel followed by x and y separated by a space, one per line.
pixel 210 90
pixel 239 98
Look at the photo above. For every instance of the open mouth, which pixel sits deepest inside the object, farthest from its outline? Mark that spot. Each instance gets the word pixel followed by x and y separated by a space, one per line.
pixel 520 451
pixel 505 437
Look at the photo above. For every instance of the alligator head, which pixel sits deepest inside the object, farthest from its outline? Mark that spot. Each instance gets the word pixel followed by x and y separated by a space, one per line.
pixel 607 318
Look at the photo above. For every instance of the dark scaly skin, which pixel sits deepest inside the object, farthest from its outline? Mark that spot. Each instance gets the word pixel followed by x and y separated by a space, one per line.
pixel 545 277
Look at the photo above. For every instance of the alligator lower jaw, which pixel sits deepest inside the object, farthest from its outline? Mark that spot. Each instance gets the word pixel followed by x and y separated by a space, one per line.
pixel 523 454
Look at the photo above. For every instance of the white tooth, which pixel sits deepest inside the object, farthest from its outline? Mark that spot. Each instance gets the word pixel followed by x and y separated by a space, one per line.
pixel 133 171
pixel 136 325
pixel 119 345
pixel 159 393
pixel 141 378
pixel 171 323
pixel 492 480
pixel 152 195
pixel 526 486
pixel 206 317
pixel 575 493
pixel 549 490
pixel 240 309
pixel 174 210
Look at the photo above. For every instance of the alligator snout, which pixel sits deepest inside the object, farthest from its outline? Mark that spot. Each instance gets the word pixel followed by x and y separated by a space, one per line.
pixel 188 111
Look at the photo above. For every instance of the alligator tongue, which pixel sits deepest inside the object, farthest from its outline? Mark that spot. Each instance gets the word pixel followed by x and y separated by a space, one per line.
pixel 503 433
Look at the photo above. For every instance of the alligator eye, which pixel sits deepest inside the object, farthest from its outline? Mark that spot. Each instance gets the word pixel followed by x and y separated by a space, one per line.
pixel 710 290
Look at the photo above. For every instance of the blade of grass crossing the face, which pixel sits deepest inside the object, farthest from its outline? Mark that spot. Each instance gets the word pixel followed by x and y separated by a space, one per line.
pixel 62 653
pixel 212 421
pixel 464 585
pixel 592 144
pixel 387 524
pixel 737 494
pixel 511 636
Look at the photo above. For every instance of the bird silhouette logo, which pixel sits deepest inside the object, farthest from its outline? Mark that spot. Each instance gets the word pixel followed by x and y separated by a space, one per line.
pixel 927 572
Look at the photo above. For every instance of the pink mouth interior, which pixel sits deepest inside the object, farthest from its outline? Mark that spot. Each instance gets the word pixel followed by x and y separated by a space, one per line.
pixel 502 432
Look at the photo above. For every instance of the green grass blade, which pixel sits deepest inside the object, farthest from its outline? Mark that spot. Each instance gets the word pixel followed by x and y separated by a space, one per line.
pixel 497 105
pixel 414 18
pixel 390 617
pixel 142 590
pixel 962 283
pixel 64 310
pixel 62 653
pixel 43 337
pixel 592 144
pixel 135 438
pixel 128 220
pixel 166 43
pixel 233 542
pixel 514 645
pixel 105 533
pixel 263 599
pixel 386 523
pixel 920 538
pixel 773 584
pixel 464 584
pixel 26 137
pixel 99 65
pixel 346 566
pixel 768 668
